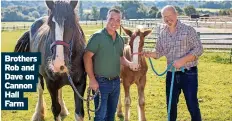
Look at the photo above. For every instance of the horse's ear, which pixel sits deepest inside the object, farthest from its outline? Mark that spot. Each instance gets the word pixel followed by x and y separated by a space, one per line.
pixel 145 33
pixel 50 4
pixel 73 3
pixel 127 31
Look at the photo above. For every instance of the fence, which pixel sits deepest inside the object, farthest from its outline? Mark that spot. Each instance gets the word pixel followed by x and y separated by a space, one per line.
pixel 26 26
pixel 211 22
pixel 217 42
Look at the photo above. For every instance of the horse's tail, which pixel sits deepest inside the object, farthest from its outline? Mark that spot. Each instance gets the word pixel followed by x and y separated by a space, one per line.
pixel 23 44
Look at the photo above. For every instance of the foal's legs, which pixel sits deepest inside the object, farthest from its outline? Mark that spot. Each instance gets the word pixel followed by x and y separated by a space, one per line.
pixel 127 101
pixel 64 111
pixel 141 86
pixel 56 108
pixel 39 110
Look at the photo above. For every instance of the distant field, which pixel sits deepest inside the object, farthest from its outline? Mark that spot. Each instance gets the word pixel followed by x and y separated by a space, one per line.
pixel 16 23
pixel 207 9
pixel 9 38
pixel 215 89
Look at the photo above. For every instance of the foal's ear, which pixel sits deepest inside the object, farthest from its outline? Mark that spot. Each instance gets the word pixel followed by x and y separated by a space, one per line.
pixel 145 33
pixel 127 31
pixel 50 4
pixel 73 3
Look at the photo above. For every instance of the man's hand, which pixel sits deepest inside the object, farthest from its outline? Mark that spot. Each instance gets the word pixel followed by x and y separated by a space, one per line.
pixel 93 84
pixel 179 63
pixel 134 66
pixel 149 54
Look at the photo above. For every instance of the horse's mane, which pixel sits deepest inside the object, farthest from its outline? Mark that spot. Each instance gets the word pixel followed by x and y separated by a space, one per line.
pixel 62 11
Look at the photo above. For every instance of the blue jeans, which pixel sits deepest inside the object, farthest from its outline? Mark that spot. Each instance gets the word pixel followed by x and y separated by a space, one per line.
pixel 110 90
pixel 188 82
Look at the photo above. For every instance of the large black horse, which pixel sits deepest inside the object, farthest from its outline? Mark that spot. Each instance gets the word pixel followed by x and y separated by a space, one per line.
pixel 61 42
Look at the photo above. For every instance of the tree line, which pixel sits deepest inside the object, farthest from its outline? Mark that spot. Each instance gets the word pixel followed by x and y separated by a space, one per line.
pixel 130 10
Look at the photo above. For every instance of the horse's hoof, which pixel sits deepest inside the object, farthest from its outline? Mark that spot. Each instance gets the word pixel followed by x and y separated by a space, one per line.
pixel 37 117
pixel 63 117
pixel 120 115
pixel 64 113
pixel 58 118
pixel 79 118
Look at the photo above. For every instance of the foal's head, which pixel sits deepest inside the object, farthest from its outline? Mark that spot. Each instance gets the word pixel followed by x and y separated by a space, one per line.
pixel 137 41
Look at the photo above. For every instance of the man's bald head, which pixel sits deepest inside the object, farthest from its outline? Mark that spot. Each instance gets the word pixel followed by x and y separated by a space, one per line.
pixel 169 15
pixel 168 8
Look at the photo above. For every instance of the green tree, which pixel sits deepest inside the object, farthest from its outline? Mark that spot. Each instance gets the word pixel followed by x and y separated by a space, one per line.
pixel 80 10
pixel 103 13
pixel 142 11
pixel 34 14
pixel 153 11
pixel 227 5
pixel 189 10
pixel 95 13
pixel 158 15
pixel 179 10
pixel 130 8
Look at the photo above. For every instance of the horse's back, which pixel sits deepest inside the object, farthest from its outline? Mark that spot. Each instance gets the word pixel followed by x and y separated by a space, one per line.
pixel 38 33
pixel 37 24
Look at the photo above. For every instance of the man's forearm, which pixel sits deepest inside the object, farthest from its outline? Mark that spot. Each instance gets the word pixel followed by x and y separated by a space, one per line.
pixel 89 67
pixel 189 58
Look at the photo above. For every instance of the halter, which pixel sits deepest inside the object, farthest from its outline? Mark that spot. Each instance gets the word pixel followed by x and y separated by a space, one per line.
pixel 65 44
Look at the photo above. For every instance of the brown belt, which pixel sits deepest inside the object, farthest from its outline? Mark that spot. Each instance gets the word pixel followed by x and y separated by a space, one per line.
pixel 108 78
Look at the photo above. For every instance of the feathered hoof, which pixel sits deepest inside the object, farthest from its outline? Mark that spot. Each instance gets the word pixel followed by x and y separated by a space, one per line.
pixel 37 117
pixel 120 115
pixel 64 113
pixel 79 118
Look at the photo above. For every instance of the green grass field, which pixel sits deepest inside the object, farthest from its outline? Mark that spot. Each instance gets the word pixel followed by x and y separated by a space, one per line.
pixel 215 89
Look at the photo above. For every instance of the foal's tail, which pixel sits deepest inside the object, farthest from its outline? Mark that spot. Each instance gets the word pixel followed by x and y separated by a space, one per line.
pixel 23 44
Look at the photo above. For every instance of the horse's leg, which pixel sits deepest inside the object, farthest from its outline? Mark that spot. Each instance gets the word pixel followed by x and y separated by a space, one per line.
pixel 119 107
pixel 39 110
pixel 79 109
pixel 127 101
pixel 56 108
pixel 141 86
pixel 64 111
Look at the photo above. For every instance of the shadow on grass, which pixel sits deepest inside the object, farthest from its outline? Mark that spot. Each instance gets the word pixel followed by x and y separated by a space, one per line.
pixel 222 58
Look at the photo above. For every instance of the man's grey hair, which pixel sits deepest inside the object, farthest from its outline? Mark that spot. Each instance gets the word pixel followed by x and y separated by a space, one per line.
pixel 168 7
pixel 114 10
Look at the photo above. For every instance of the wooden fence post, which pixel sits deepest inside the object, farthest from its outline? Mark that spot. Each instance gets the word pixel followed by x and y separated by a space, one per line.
pixel 231 55
pixel 199 35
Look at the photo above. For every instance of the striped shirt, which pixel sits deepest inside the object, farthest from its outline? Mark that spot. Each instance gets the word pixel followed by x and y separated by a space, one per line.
pixel 182 42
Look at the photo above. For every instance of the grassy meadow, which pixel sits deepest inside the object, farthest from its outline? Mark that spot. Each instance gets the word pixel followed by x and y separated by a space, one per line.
pixel 215 89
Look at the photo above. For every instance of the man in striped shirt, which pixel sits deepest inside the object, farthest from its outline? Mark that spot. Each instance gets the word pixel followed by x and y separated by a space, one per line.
pixel 180 44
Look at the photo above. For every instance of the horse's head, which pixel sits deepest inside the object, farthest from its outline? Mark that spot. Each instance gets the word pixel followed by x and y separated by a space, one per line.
pixel 62 22
pixel 136 40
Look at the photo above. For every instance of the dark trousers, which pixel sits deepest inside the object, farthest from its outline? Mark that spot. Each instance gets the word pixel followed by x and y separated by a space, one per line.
pixel 188 83
pixel 110 90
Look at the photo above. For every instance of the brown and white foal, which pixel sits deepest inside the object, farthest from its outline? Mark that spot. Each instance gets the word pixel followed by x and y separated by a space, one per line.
pixel 128 77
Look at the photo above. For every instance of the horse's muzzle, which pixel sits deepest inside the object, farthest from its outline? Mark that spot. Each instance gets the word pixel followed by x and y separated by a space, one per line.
pixel 57 68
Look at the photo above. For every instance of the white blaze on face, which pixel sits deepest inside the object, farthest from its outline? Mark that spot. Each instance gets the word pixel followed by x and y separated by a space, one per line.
pixel 59 58
pixel 136 50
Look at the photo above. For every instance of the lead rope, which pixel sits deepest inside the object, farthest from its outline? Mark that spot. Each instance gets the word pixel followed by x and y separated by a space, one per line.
pixel 170 66
pixel 89 97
